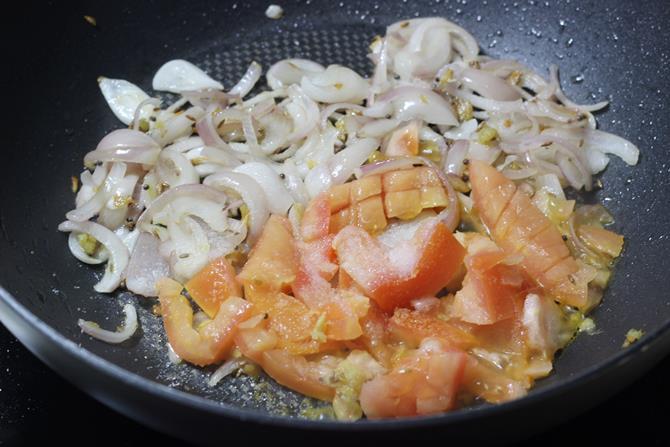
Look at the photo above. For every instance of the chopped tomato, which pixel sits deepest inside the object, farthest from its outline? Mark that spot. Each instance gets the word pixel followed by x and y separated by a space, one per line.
pixel 490 383
pixel 315 222
pixel 603 240
pixel 426 381
pixel 297 373
pixel 211 342
pixel 394 277
pixel 520 228
pixel 273 262
pixel 214 284
pixel 412 327
pixel 374 334
pixel 491 289
pixel 253 342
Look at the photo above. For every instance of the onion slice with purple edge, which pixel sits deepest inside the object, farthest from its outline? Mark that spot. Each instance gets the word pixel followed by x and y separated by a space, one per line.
pixel 128 328
pixel 146 266
pixel 409 102
pixel 249 191
pixel 118 252
pixel 126 145
pixel 207 130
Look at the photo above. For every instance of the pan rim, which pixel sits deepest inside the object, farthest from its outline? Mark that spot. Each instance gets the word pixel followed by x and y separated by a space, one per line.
pixel 164 392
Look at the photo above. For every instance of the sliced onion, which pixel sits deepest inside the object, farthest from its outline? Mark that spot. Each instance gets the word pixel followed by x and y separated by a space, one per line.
pixel 118 199
pixel 491 105
pixel 553 74
pixel 173 357
pixel 224 243
pixel 179 75
pixel 204 201
pixel 454 162
pixel 190 248
pixel 551 183
pixel 208 154
pixel 377 128
pixel 489 85
pixel 464 131
pixel 176 126
pixel 146 266
pixel 290 71
pixel 380 167
pixel 203 98
pixel 571 172
pixel 278 198
pixel 175 169
pixel 79 253
pixel 123 97
pixel 597 160
pixel 325 114
pixel 141 111
pixel 303 111
pixel 410 102
pixel 519 174
pixel 428 48
pixel 294 183
pixel 608 143
pixel 127 331
pixel 126 145
pixel 341 166
pixel 93 206
pixel 186 144
pixel 229 367
pixel 207 130
pixel 248 80
pixel 276 128
pixel 118 252
pixel 249 191
pixel 335 84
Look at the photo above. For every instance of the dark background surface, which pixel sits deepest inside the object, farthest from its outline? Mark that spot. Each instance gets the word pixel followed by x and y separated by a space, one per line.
pixel 37 405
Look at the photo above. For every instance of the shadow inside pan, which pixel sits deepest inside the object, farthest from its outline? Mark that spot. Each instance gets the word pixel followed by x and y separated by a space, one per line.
pixel 37 268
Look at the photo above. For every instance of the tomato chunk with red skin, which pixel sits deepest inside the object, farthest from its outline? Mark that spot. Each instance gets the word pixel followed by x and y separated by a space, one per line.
pixel 393 277
pixel 426 382
pixel 273 262
pixel 412 327
pixel 213 285
pixel 491 289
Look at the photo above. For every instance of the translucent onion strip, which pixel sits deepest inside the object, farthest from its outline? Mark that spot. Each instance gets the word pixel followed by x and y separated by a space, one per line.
pixel 127 330
pixel 118 252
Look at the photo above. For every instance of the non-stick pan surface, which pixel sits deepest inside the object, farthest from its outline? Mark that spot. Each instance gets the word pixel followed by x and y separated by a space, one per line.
pixel 606 50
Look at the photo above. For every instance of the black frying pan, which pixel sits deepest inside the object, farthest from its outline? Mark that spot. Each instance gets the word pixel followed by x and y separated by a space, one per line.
pixel 615 50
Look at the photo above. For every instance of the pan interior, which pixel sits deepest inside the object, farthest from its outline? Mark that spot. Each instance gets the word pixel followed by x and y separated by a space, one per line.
pixel 36 266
